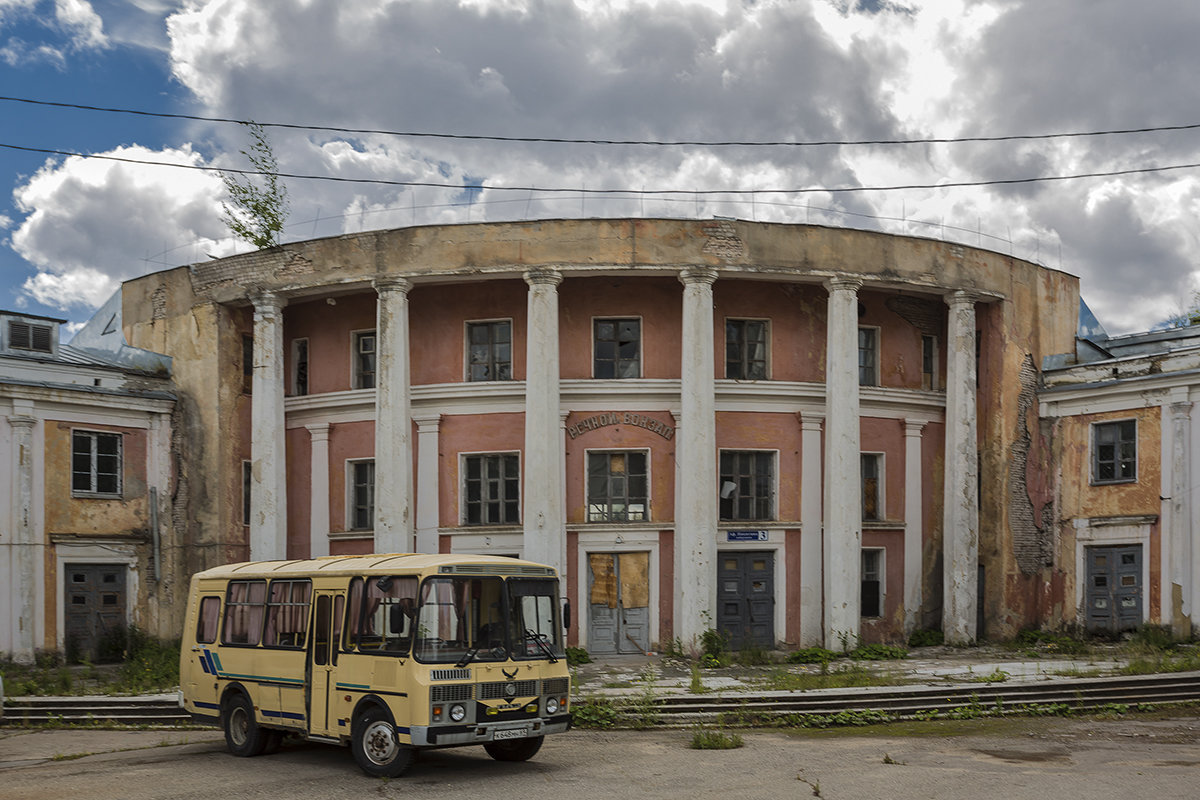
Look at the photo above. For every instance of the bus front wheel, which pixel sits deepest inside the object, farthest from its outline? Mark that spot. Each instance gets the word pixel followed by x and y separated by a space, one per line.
pixel 514 750
pixel 376 747
pixel 243 735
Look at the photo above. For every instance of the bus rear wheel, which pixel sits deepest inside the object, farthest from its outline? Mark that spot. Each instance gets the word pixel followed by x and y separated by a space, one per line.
pixel 515 750
pixel 377 749
pixel 243 735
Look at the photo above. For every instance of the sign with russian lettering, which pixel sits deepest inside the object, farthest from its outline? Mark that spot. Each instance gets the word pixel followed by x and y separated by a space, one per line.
pixel 616 418
pixel 746 536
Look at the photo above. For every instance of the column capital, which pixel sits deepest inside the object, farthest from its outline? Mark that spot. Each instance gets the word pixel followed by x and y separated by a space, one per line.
pixel 427 423
pixel 914 427
pixel 1181 410
pixel 843 283
pixel 392 283
pixel 318 431
pixel 811 421
pixel 961 297
pixel 542 277
pixel 697 275
pixel 22 421
pixel 267 303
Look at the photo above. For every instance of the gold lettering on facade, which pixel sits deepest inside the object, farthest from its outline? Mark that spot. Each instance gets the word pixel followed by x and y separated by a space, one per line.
pixel 626 418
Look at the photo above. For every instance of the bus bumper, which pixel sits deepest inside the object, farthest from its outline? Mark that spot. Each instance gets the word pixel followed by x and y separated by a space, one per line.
pixel 481 733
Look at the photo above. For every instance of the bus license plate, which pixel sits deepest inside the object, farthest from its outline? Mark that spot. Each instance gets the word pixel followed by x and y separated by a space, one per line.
pixel 509 733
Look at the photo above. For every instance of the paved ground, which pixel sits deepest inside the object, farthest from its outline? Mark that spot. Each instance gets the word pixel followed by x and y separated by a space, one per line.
pixel 621 675
pixel 1155 756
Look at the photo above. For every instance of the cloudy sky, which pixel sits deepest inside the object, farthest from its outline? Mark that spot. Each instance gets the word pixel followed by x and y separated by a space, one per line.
pixel 793 71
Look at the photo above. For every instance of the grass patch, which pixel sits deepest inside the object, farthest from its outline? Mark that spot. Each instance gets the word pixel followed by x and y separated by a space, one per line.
pixel 848 676
pixel 594 712
pixel 577 656
pixel 148 664
pixel 708 739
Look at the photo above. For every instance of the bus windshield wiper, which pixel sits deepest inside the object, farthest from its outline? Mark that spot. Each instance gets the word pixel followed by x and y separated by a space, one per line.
pixel 467 657
pixel 537 637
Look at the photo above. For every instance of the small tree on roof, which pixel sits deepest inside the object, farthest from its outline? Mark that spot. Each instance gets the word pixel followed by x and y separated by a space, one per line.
pixel 258 204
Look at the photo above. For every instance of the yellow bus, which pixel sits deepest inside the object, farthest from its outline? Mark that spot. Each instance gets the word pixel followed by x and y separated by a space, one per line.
pixel 384 653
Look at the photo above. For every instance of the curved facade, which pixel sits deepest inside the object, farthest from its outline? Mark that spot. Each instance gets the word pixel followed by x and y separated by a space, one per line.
pixel 794 433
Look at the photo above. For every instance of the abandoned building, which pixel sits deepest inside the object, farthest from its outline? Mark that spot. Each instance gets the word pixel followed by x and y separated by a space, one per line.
pixel 794 433
pixel 85 443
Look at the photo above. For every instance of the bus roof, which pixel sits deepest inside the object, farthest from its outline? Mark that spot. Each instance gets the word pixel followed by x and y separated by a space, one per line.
pixel 377 563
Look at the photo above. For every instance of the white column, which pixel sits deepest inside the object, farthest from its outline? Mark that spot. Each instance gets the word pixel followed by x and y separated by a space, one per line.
pixel 23 550
pixel 960 526
pixel 696 507
pixel 1183 550
pixel 811 588
pixel 268 491
pixel 843 467
pixel 393 420
pixel 318 492
pixel 544 517
pixel 428 518
pixel 913 523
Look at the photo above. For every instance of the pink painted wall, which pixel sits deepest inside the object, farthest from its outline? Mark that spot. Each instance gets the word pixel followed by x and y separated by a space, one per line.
pixel 622 437
pixel 657 301
pixel 666 583
pixel 889 627
pixel 792 568
pixel 347 440
pixel 738 430
pixel 438 316
pixel 900 359
pixel 328 329
pixel 299 491
pixel 797 325
pixel 472 433
pixel 887 436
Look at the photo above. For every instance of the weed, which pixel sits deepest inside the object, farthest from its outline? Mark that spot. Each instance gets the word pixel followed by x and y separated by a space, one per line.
pixel 878 652
pixel 1155 637
pixel 594 712
pixel 848 676
pixel 887 759
pixel 811 655
pixel 995 676
pixel 753 657
pixel 714 647
pixel 707 739
pixel 643 707
pixel 577 656
pixel 697 685
pixel 926 637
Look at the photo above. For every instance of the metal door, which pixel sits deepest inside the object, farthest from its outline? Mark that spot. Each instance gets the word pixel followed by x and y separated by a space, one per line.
pixel 326 642
pixel 619 603
pixel 1114 587
pixel 94 617
pixel 746 598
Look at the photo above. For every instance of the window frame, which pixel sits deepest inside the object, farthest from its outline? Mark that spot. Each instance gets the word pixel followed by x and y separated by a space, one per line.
pixel 874 350
pixel 627 500
pixel 299 387
pixel 617 360
pixel 881 578
pixel 93 470
pixel 1094 459
pixel 723 474
pixel 279 607
pixel 743 360
pixel 929 377
pixel 352 499
pixel 880 483
pixel 357 374
pixel 493 364
pixel 23 335
pixel 464 490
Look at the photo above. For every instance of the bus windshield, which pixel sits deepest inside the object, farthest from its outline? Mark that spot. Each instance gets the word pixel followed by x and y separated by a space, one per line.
pixel 460 620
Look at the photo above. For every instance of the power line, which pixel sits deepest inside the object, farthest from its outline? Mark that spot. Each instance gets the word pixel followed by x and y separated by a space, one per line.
pixel 639 142
pixel 618 191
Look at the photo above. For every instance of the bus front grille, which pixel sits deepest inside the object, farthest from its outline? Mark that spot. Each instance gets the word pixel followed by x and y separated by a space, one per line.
pixel 499 690
pixel 556 685
pixel 451 693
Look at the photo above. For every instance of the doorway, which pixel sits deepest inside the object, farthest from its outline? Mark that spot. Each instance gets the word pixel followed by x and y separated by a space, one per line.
pixel 1114 588
pixel 618 603
pixel 95 612
pixel 746 598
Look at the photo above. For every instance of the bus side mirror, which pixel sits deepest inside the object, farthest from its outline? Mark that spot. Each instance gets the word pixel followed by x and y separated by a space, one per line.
pixel 567 614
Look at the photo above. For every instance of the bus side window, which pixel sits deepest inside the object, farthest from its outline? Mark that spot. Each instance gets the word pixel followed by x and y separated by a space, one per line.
pixel 388 613
pixel 245 609
pixel 354 615
pixel 206 625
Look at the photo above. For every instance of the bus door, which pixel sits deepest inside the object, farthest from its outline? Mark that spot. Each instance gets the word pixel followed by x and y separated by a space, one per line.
pixel 322 668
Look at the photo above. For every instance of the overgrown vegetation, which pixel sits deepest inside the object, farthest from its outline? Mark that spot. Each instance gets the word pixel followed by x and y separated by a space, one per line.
pixel 709 739
pixel 258 206
pixel 926 637
pixel 146 664
pixel 850 675
pixel 577 656
pixel 594 712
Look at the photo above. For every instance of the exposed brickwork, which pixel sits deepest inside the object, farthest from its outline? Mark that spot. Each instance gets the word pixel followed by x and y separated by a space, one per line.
pixel 927 317
pixel 723 240
pixel 1030 535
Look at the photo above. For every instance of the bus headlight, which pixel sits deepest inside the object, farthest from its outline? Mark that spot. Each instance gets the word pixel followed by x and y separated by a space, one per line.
pixel 551 705
pixel 457 712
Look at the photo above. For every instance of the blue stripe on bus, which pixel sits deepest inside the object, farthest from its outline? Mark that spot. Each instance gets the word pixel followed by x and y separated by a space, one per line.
pixel 282 714
pixel 215 661
pixel 209 659
pixel 362 686
pixel 204 664
pixel 214 706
